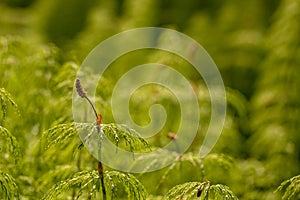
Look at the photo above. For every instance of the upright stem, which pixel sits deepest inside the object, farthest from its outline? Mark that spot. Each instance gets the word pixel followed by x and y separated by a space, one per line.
pixel 93 107
pixel 100 172
pixel 100 166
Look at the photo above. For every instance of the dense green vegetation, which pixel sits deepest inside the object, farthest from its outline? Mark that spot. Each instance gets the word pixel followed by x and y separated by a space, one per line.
pixel 255 45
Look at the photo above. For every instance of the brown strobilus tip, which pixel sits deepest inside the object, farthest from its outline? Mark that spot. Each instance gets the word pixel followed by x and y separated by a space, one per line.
pixel 82 93
pixel 80 89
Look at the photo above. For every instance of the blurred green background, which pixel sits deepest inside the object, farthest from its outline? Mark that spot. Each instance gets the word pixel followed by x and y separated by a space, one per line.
pixel 254 43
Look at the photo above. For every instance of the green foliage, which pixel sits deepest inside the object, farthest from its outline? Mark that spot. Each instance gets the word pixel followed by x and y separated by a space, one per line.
pixel 277 92
pixel 5 98
pixel 88 184
pixel 26 70
pixel 200 166
pixel 59 134
pixel 84 180
pixel 122 135
pixel 119 134
pixel 159 157
pixel 10 143
pixel 133 188
pixel 60 172
pixel 256 52
pixel 186 190
pixel 8 187
pixel 275 105
pixel 222 160
pixel 182 168
pixel 202 190
pixel 291 188
pixel 220 192
pixel 63 83
pixel 238 101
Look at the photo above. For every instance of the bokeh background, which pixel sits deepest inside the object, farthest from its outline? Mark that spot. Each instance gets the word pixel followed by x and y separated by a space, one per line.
pixel 254 43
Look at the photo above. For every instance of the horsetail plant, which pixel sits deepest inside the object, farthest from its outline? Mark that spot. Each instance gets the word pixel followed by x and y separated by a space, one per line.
pixel 81 92
pixel 8 186
pixel 89 183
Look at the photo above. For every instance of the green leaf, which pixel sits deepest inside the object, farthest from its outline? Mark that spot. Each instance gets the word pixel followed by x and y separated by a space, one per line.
pixel 8 187
pixel 291 188
pixel 133 188
pixel 59 173
pixel 202 190
pixel 224 161
pixel 5 98
pixel 121 135
pixel 87 183
pixel 11 143
pixel 220 192
pixel 84 180
pixel 184 191
pixel 58 134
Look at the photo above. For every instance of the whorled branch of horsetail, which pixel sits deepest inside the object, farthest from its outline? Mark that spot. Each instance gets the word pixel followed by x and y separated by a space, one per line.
pixel 82 93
